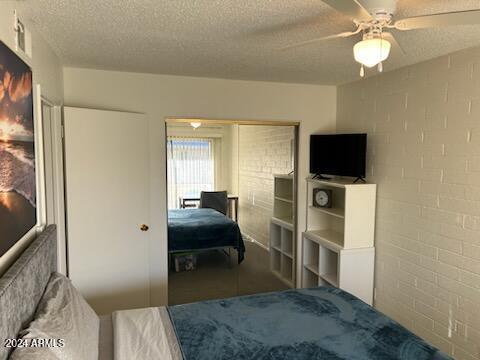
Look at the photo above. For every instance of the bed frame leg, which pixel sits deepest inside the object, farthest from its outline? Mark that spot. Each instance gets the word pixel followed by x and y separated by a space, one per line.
pixel 229 255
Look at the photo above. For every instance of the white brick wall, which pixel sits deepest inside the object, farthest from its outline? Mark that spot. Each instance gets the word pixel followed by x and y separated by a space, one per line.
pixel 423 125
pixel 263 151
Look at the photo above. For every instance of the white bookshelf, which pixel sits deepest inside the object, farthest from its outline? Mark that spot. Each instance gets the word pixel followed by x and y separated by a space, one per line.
pixel 282 230
pixel 338 244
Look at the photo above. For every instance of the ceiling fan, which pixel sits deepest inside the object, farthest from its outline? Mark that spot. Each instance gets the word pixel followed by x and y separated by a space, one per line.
pixel 372 21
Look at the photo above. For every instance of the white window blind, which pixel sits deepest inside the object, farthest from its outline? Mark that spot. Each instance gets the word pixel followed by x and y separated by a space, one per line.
pixel 191 168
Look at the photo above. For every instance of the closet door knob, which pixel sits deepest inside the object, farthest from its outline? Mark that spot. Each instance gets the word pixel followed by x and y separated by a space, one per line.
pixel 144 227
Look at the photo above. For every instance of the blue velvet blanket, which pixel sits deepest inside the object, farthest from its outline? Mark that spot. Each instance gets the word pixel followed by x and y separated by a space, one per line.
pixel 198 229
pixel 307 324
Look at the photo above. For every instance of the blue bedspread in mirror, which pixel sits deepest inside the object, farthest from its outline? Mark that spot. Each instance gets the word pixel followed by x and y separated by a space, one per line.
pixel 199 229
pixel 307 324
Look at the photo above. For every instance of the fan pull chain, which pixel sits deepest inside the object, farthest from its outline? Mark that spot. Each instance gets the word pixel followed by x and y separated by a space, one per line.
pixel 380 67
pixel 362 71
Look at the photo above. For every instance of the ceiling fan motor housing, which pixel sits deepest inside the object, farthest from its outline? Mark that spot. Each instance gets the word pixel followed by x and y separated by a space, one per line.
pixel 372 33
pixel 378 7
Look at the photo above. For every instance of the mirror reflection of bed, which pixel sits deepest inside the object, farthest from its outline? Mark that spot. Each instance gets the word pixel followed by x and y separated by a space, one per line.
pixel 222 205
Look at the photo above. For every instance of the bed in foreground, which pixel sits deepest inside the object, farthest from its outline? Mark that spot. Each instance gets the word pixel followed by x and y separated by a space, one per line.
pixel 203 229
pixel 317 323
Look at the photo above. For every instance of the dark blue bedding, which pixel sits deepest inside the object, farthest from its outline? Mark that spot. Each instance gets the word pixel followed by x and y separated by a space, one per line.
pixel 197 229
pixel 306 324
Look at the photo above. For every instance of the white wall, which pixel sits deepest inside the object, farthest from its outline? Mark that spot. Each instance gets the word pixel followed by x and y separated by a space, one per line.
pixel 423 125
pixel 47 71
pixel 263 152
pixel 161 96
pixel 47 68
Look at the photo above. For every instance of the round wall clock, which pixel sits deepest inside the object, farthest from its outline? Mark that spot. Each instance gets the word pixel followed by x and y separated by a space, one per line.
pixel 322 197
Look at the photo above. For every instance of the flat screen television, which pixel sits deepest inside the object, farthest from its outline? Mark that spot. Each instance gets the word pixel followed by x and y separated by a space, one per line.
pixel 340 155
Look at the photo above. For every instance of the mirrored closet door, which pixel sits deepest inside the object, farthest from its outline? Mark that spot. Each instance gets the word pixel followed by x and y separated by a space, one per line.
pixel 231 208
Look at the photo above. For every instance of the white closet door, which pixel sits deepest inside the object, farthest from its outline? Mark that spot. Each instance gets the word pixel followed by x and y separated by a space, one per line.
pixel 107 188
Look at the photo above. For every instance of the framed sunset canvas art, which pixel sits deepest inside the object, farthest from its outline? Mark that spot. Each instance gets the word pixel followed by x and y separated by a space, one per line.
pixel 17 150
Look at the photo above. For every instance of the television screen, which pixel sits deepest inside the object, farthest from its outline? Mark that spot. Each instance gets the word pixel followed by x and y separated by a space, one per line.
pixel 341 155
pixel 17 150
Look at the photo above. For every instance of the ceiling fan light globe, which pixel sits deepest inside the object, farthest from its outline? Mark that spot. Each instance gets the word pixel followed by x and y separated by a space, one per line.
pixel 371 52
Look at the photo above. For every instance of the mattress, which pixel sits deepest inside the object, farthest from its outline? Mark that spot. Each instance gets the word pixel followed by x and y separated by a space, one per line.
pixel 200 229
pixel 144 334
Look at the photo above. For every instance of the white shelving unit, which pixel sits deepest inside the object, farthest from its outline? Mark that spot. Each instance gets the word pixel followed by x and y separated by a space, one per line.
pixel 282 230
pixel 338 244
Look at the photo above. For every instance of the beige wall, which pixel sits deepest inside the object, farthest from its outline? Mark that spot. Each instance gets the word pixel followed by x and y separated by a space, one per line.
pixel 47 71
pixel 161 96
pixel 423 125
pixel 263 151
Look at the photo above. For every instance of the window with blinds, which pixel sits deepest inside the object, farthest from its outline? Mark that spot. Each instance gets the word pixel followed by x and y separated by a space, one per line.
pixel 191 168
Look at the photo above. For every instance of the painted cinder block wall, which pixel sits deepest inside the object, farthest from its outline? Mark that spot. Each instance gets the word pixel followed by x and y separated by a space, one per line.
pixel 423 125
pixel 263 152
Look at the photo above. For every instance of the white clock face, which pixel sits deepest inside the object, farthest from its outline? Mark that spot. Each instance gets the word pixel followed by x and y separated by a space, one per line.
pixel 321 198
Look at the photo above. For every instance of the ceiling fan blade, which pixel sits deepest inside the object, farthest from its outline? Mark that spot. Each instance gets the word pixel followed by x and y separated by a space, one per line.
pixel 351 8
pixel 396 47
pixel 467 17
pixel 308 42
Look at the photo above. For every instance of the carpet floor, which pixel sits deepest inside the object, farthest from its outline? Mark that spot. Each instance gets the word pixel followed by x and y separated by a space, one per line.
pixel 217 277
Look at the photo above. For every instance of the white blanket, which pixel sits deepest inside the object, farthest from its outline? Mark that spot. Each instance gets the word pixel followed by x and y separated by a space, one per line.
pixel 144 334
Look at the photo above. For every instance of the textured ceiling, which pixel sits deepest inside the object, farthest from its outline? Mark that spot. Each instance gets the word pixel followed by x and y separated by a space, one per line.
pixel 235 39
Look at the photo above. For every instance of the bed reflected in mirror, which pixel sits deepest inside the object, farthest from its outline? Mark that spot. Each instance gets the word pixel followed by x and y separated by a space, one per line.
pixel 231 209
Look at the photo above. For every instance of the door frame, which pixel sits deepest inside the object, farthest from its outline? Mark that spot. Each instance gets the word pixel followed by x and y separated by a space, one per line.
pixel 212 121
pixel 55 138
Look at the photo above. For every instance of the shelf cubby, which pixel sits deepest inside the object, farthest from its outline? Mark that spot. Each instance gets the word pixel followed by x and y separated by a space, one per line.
pixel 276 260
pixel 338 195
pixel 311 254
pixel 338 244
pixel 310 279
pixel 282 229
pixel 275 236
pixel 283 210
pixel 328 265
pixel 352 213
pixel 287 242
pixel 287 268
pixel 283 187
